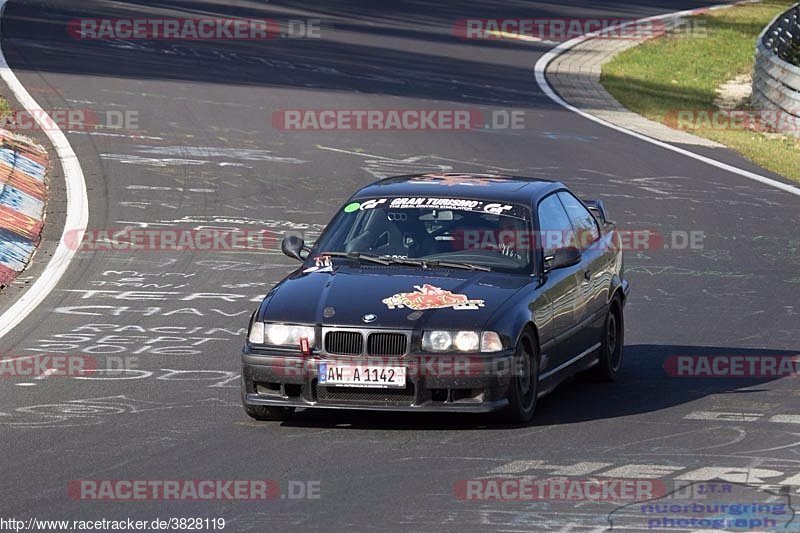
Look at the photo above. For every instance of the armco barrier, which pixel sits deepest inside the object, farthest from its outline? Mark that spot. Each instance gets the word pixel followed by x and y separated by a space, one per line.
pixel 23 193
pixel 776 82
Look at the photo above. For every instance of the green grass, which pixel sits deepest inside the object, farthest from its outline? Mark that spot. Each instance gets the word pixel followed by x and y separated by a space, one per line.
pixel 682 72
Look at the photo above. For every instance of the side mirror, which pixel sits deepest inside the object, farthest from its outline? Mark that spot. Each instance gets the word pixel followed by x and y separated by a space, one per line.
pixel 563 258
pixel 292 246
pixel 598 209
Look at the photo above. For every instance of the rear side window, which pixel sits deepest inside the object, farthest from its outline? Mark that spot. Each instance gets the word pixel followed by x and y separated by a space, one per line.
pixel 582 220
pixel 555 229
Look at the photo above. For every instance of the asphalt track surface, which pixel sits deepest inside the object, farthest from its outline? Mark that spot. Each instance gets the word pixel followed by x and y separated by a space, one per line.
pixel 209 156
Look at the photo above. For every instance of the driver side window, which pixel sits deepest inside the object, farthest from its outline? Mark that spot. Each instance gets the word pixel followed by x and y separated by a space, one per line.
pixel 583 221
pixel 555 229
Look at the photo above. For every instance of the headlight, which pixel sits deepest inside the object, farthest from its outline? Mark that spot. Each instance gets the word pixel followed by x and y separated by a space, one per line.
pixel 462 341
pixel 437 341
pixel 277 334
pixel 256 335
pixel 467 341
pixel 490 342
pixel 280 334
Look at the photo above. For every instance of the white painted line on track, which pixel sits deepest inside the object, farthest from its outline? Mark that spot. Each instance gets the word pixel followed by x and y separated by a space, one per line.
pixel 541 79
pixel 716 415
pixel 786 419
pixel 728 416
pixel 77 202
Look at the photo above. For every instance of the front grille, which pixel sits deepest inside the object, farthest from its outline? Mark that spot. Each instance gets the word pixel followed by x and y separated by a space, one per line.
pixel 344 342
pixel 386 344
pixel 357 394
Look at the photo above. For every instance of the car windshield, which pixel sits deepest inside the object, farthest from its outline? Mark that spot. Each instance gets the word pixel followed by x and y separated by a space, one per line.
pixel 430 231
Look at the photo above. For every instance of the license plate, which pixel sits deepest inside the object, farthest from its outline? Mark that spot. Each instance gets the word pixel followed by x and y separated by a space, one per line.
pixel 381 377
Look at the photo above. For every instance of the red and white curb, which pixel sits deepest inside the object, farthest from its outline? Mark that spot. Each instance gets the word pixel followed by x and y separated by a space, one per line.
pixel 77 203
pixel 23 194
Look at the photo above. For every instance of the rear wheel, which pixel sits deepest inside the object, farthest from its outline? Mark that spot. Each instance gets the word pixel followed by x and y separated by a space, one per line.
pixel 612 343
pixel 524 382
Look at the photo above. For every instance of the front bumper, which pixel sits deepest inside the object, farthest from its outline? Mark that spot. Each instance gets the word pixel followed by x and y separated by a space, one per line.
pixel 291 381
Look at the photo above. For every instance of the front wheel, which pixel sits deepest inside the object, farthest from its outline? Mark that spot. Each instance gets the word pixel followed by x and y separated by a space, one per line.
pixel 524 382
pixel 607 369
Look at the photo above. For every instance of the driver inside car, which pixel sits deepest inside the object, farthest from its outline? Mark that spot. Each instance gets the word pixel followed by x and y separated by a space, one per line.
pixel 394 233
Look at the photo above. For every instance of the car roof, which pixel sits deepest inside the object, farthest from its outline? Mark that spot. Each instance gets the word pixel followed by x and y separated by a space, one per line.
pixel 454 185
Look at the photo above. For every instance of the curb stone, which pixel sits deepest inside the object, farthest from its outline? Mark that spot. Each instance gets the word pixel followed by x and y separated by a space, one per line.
pixel 23 194
pixel 575 76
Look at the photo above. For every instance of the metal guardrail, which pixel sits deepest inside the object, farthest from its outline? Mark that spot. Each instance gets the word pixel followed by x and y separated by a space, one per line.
pixel 782 37
pixel 776 82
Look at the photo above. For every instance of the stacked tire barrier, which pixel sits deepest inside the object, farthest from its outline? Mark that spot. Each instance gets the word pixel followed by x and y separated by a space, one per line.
pixel 776 81
pixel 23 193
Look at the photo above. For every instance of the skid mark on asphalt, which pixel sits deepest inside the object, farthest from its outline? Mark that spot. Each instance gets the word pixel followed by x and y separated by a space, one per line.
pixel 118 135
pixel 160 263
pixel 93 411
pixel 678 271
pixel 212 151
pixel 381 166
pixel 716 439
pixel 180 156
pixel 223 219
pixel 683 189
pixel 166 161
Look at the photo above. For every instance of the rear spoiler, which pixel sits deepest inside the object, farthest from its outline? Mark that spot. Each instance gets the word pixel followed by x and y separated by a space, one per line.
pixel 598 209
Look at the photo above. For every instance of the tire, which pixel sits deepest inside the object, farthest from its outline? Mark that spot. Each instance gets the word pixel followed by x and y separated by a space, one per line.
pixel 612 344
pixel 266 413
pixel 525 382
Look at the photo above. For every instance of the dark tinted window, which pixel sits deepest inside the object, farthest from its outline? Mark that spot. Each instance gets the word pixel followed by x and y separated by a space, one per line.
pixel 554 225
pixel 582 220
pixel 481 232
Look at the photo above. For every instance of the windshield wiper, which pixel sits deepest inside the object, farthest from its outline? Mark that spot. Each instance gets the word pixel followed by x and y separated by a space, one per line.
pixel 424 263
pixel 406 261
pixel 358 256
pixel 432 263
pixel 453 264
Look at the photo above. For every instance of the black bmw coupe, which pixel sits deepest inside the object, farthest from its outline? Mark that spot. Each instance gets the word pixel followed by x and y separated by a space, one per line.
pixel 441 292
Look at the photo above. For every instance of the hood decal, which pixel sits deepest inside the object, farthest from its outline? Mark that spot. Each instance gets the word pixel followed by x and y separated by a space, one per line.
pixel 322 263
pixel 430 297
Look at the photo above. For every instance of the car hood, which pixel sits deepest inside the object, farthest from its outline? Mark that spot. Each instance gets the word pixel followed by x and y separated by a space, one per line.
pixel 399 298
